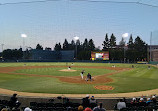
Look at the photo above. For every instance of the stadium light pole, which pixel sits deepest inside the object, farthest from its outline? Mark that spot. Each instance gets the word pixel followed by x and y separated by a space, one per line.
pixel 23 36
pixel 2 51
pixel 125 35
pixel 2 46
pixel 150 46
pixel 76 38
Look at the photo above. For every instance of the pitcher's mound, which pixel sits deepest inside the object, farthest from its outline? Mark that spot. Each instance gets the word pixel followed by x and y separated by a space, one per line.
pixel 67 70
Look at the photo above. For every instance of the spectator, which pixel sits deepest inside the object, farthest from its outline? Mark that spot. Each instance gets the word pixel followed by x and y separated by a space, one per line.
pixel 148 101
pixel 69 109
pixel 133 101
pixel 121 104
pixel 80 108
pixel 27 109
pixel 88 109
pixel 85 101
pixel 99 108
pixel 5 109
pixel 14 103
pixel 154 100
pixel 141 100
pixel 93 100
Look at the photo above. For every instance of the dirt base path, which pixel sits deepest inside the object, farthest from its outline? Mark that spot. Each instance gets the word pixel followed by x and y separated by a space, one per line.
pixel 115 95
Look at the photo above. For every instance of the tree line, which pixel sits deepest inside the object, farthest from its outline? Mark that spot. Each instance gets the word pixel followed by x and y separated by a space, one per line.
pixel 136 50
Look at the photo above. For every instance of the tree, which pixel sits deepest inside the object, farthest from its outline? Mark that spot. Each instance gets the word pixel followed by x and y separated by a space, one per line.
pixel 13 54
pixel 106 42
pixel 39 47
pixel 57 47
pixel 84 55
pixel 72 45
pixel 122 42
pixel 7 54
pixel 65 45
pixel 141 49
pixel 91 45
pixel 130 43
pixel 112 41
pixel 85 44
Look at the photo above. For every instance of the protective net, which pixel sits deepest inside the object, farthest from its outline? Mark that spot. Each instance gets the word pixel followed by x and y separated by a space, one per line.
pixel 154 38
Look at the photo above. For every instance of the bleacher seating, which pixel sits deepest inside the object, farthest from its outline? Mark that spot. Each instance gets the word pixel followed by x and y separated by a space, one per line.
pixel 65 105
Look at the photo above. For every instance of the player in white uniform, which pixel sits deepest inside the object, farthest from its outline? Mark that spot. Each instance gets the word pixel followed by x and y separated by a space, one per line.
pixel 82 74
pixel 69 68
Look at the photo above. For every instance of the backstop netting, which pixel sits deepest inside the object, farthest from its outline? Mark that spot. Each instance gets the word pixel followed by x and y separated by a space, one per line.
pixel 154 38
pixel 154 47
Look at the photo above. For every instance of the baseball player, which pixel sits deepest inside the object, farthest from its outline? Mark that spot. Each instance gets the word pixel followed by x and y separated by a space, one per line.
pixel 82 74
pixel 69 68
pixel 89 77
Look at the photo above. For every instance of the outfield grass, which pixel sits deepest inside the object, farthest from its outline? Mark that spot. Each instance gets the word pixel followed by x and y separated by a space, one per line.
pixel 57 72
pixel 138 79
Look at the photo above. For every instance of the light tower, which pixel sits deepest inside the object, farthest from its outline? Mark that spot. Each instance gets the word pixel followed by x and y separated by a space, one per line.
pixel 124 36
pixel 23 36
pixel 76 38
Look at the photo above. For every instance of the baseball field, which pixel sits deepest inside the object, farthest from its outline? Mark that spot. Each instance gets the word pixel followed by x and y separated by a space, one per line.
pixel 55 78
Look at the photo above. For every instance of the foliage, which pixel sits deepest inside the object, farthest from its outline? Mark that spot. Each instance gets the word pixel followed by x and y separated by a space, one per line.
pixel 106 43
pixel 130 43
pixel 91 45
pixel 136 50
pixel 122 42
pixel 112 42
pixel 57 47
pixel 39 47
pixel 65 45
pixel 13 54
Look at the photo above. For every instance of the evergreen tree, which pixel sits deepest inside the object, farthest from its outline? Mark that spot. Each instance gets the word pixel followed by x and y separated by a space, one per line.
pixel 57 47
pixel 85 45
pixel 39 47
pixel 72 45
pixel 91 45
pixel 122 42
pixel 65 45
pixel 106 43
pixel 130 43
pixel 141 49
pixel 112 41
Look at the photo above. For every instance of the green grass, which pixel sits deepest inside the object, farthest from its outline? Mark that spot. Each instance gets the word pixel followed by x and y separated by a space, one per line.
pixel 56 72
pixel 138 79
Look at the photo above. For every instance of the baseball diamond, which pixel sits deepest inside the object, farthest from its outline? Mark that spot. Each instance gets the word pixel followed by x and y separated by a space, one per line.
pixel 54 78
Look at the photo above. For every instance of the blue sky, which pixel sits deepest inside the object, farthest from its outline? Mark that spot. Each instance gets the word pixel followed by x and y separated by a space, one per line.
pixel 51 22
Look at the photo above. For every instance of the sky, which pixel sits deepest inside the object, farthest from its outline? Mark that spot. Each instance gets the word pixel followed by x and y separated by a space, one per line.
pixel 48 23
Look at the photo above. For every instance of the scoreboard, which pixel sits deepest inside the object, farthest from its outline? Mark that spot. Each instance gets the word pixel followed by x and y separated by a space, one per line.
pixel 103 55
